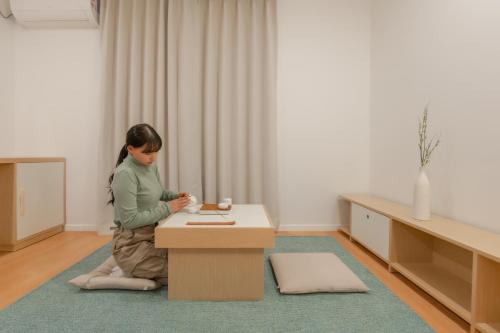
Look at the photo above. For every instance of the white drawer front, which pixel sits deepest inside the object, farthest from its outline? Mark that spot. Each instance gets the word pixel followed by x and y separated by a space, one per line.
pixel 371 229
pixel 359 225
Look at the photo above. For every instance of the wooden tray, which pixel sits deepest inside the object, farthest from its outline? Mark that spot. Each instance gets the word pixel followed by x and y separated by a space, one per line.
pixel 207 206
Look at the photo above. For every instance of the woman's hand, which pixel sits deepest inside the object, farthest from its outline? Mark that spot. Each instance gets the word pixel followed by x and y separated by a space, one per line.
pixel 177 204
pixel 183 194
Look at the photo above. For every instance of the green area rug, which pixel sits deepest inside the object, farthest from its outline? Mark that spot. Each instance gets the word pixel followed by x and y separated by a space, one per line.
pixel 59 307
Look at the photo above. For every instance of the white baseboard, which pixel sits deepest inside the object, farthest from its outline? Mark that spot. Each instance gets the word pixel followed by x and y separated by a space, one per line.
pixel 80 227
pixel 104 229
pixel 308 227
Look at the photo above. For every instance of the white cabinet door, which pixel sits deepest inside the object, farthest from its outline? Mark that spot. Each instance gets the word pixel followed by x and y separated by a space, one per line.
pixel 40 197
pixel 371 229
pixel 359 227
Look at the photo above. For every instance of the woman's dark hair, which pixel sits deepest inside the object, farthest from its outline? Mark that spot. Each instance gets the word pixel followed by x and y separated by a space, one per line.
pixel 137 136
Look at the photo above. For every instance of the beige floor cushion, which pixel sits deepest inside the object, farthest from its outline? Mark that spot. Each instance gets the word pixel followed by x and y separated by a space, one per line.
pixel 109 276
pixel 301 273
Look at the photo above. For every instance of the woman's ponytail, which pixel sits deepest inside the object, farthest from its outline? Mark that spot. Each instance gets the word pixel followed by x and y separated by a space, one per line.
pixel 121 157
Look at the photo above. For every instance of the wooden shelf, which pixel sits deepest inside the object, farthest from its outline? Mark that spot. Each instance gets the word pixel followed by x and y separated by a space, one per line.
pixel 445 258
pixel 487 295
pixel 482 241
pixel 441 268
pixel 446 287
pixel 488 327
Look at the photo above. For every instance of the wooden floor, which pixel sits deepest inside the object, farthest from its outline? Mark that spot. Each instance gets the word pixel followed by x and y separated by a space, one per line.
pixel 26 269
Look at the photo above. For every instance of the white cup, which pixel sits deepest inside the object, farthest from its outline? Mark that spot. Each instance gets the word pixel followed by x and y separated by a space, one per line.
pixel 223 205
pixel 229 201
pixel 193 200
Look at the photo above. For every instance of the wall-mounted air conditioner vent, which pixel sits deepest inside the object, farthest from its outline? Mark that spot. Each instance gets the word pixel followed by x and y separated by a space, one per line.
pixel 56 13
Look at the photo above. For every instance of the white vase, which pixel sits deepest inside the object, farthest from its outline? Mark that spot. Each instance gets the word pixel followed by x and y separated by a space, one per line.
pixel 422 197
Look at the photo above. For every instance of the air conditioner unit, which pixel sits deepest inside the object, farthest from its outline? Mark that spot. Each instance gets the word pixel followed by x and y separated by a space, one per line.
pixel 56 13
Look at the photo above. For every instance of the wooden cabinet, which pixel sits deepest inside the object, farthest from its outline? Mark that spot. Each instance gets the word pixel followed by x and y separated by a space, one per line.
pixel 32 200
pixel 456 263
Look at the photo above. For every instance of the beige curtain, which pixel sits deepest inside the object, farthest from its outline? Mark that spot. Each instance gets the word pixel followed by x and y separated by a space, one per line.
pixel 133 47
pixel 203 73
pixel 221 100
pixel 133 83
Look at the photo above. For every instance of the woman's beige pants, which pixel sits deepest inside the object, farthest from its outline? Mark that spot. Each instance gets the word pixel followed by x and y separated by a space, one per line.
pixel 135 253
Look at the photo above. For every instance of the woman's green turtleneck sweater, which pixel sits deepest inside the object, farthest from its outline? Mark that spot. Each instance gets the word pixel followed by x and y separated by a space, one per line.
pixel 139 196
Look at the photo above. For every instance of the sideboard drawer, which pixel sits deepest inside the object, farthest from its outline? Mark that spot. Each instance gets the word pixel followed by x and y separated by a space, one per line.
pixel 371 229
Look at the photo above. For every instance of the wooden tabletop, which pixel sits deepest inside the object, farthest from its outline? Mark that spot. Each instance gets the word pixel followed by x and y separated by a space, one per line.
pixel 246 216
pixel 252 229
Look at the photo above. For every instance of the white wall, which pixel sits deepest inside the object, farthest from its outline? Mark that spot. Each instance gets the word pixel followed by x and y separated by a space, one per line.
pixel 333 137
pixel 446 52
pixel 7 28
pixel 323 108
pixel 54 85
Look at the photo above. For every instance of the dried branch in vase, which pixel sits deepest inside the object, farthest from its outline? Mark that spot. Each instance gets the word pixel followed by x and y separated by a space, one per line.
pixel 426 148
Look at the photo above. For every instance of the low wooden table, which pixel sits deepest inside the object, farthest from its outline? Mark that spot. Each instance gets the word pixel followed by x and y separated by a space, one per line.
pixel 216 262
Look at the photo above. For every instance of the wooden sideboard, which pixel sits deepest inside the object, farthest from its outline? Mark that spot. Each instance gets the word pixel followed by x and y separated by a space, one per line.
pixel 32 200
pixel 456 263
